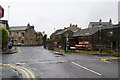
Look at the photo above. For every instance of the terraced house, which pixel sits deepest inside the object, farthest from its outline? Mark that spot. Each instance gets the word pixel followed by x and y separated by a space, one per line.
pixel 25 36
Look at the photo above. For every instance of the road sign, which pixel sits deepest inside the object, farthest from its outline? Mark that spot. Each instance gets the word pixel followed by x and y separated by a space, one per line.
pixel 1 12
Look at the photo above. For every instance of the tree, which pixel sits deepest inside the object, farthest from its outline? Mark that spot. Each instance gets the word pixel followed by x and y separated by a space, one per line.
pixel 53 34
pixel 44 40
pixel 4 37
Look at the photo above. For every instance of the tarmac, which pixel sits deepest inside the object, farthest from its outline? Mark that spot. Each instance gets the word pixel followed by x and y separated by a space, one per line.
pixel 6 72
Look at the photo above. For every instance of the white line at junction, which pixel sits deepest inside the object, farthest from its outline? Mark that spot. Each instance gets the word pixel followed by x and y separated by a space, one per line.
pixel 87 69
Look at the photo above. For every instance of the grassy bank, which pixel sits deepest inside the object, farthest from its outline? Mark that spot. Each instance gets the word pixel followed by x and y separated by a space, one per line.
pixel 116 59
pixel 106 53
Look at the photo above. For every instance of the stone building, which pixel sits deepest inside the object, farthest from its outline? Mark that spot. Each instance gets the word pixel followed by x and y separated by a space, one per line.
pixel 100 24
pixel 25 36
pixel 99 38
pixel 72 27
pixel 60 40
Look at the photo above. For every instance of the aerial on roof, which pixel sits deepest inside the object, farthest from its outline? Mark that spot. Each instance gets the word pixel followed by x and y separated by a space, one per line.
pixel 18 28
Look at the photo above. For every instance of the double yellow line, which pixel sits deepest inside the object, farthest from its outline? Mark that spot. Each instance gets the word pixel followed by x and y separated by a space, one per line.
pixel 105 59
pixel 29 74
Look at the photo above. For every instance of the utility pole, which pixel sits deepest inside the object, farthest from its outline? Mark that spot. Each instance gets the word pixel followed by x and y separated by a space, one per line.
pixel 8 12
pixel 54 29
pixel 100 39
pixel 66 42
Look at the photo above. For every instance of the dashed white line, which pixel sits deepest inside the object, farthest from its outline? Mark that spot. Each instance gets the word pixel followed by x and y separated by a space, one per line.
pixel 87 69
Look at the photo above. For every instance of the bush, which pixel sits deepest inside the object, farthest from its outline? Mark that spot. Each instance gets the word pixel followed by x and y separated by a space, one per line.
pixel 4 36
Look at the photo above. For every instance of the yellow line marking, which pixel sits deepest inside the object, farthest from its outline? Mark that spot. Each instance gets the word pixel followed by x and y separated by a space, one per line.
pixel 24 70
pixel 28 72
pixel 21 70
pixel 17 68
pixel 105 59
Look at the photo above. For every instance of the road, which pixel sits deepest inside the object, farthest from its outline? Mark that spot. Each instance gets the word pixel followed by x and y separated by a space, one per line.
pixel 40 63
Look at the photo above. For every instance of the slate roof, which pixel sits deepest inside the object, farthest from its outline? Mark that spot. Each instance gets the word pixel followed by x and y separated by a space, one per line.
pixel 102 23
pixel 85 32
pixel 18 28
pixel 91 31
pixel 61 32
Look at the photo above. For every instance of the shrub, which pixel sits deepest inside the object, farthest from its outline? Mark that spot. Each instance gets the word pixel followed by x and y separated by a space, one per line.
pixel 3 36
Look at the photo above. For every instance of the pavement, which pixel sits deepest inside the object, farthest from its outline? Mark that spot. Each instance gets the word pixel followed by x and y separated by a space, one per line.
pixel 13 50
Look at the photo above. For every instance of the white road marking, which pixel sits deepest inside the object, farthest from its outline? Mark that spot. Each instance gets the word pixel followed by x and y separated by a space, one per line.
pixel 62 61
pixel 87 69
pixel 43 62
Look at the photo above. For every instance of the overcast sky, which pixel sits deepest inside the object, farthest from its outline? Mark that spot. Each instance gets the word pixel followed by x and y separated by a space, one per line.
pixel 47 15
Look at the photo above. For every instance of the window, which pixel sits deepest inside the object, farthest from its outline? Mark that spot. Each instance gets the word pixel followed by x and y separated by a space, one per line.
pixel 22 41
pixel 16 41
pixel 12 34
pixel 87 34
pixel 19 33
pixel 23 34
pixel 110 33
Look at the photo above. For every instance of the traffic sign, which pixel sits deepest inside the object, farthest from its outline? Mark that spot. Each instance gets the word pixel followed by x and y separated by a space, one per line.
pixel 1 12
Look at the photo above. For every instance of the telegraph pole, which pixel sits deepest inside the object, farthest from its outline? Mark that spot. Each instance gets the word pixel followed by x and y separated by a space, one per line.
pixel 100 47
pixel 66 42
pixel 8 12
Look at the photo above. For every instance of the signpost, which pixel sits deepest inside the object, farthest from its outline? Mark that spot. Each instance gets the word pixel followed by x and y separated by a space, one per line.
pixel 1 12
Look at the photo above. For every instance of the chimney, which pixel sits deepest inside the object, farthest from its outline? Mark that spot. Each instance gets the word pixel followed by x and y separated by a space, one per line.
pixel 100 20
pixel 76 25
pixel 119 23
pixel 110 21
pixel 70 24
pixel 28 24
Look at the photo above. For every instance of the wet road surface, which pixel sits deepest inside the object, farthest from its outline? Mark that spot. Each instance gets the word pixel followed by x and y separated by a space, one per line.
pixel 45 64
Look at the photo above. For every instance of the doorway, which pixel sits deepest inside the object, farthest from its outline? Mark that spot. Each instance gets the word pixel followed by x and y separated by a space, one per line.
pixel 114 45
